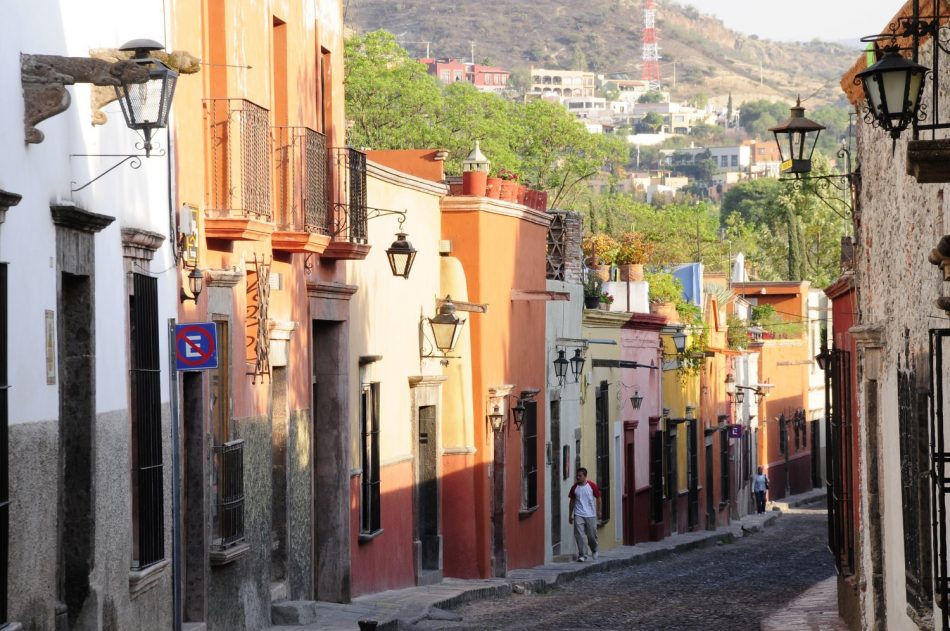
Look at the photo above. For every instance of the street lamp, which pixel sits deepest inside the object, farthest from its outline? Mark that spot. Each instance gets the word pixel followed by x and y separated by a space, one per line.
pixel 893 87
pixel 195 284
pixel 794 135
pixel 517 414
pixel 560 367
pixel 740 397
pixel 145 106
pixel 446 327
pixel 679 341
pixel 636 400
pixel 730 384
pixel 401 254
pixel 577 364
pixel 496 418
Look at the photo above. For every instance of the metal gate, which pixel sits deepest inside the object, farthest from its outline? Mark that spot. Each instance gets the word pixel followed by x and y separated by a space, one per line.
pixel 940 480
pixel 839 461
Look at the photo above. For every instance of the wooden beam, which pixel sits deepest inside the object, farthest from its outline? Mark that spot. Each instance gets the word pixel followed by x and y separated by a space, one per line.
pixel 539 294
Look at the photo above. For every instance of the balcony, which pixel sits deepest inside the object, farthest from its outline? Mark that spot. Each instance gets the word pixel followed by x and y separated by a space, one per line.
pixel 239 205
pixel 350 208
pixel 302 193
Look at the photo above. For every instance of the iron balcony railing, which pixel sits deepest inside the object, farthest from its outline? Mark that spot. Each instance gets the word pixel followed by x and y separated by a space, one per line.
pixel 349 170
pixel 229 467
pixel 300 158
pixel 240 159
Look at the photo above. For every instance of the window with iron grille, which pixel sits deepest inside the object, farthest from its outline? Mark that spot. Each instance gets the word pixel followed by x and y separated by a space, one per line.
pixel 148 541
pixel 915 496
pixel 369 430
pixel 782 434
pixel 725 482
pixel 529 459
pixel 603 449
pixel 656 477
pixel 228 470
pixel 4 462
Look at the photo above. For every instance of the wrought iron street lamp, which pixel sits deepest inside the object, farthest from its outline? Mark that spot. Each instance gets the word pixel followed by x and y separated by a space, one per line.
pixel 195 284
pixel 636 400
pixel 401 254
pixel 517 414
pixel 145 106
pixel 577 364
pixel 740 397
pixel 679 341
pixel 560 367
pixel 893 87
pixel 795 141
pixel 496 419
pixel 446 327
pixel 730 384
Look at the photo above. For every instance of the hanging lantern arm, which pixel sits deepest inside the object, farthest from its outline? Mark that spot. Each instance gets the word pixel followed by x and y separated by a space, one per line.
pixel 134 160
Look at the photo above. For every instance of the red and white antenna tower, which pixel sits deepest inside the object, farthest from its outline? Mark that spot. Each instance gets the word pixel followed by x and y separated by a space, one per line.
pixel 650 71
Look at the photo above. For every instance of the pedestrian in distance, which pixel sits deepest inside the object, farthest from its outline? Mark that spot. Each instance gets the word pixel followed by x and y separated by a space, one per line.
pixel 760 484
pixel 584 513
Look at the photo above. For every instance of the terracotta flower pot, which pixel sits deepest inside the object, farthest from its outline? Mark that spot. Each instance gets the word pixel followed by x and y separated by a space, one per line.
pixel 603 272
pixel 493 188
pixel 531 198
pixel 474 183
pixel 665 309
pixel 509 190
pixel 542 201
pixel 520 194
pixel 631 272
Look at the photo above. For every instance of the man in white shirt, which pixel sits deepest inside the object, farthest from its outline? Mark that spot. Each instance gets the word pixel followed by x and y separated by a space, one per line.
pixel 584 512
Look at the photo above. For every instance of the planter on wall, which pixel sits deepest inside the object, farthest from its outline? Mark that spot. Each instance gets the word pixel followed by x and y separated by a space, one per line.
pixel 493 187
pixel 474 183
pixel 929 160
pixel 665 309
pixel 591 302
pixel 603 272
pixel 509 190
pixel 631 272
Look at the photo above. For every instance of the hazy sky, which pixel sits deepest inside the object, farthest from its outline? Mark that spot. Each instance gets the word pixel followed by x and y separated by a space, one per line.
pixel 802 20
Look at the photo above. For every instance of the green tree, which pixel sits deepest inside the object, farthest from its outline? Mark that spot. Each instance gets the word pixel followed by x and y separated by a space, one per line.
pixel 651 97
pixel 651 123
pixel 757 116
pixel 391 99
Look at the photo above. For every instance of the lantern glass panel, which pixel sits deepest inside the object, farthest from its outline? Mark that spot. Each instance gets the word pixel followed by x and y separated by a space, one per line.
pixel 577 364
pixel 560 366
pixel 446 334
pixel 146 105
pixel 400 262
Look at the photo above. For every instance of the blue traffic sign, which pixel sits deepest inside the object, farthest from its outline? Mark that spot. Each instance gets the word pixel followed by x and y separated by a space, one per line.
pixel 196 346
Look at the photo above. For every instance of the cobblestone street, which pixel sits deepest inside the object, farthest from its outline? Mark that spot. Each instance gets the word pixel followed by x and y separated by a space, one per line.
pixel 731 586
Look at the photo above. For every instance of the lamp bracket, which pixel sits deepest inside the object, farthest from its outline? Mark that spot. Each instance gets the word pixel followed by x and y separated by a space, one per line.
pixel 842 182
pixel 134 160
pixel 371 213
pixel 44 79
pixel 471 307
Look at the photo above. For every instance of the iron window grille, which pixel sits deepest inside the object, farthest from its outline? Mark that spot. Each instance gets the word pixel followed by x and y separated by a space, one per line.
pixel 603 449
pixel 349 177
pixel 300 157
pixel 4 454
pixel 840 461
pixel 556 248
pixel 915 506
pixel 229 469
pixel 725 481
pixel 146 407
pixel 240 159
pixel 656 477
pixel 782 435
pixel 692 472
pixel 529 451
pixel 370 521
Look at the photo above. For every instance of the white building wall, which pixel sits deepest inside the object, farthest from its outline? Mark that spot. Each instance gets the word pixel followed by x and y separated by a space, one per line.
pixel 562 320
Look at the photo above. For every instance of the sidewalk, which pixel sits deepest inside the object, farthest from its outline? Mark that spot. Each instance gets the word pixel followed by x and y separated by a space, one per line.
pixel 816 609
pixel 410 605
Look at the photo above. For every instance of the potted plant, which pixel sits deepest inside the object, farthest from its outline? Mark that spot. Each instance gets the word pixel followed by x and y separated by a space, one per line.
pixel 633 250
pixel 593 286
pixel 665 292
pixel 509 185
pixel 599 250
pixel 605 301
